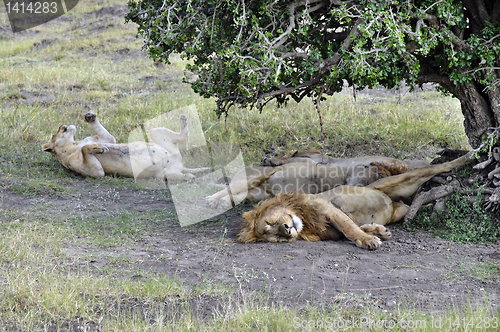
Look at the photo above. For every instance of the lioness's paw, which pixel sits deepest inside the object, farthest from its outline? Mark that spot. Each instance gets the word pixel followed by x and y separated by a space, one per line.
pixel 212 202
pixel 266 161
pixel 385 234
pixel 90 117
pixel 100 150
pixel 370 243
pixel 225 203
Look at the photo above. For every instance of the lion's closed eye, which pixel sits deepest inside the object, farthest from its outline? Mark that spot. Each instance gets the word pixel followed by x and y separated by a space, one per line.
pixel 269 227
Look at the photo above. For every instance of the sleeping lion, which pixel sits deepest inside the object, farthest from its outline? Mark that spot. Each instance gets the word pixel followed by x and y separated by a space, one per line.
pixel 306 172
pixel 394 166
pixel 98 155
pixel 357 213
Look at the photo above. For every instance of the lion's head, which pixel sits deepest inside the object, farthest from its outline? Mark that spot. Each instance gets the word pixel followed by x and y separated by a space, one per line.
pixel 64 135
pixel 285 218
pixel 270 226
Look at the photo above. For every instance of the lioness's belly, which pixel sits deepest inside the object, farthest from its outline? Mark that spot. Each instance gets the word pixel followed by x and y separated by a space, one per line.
pixel 307 178
pixel 136 159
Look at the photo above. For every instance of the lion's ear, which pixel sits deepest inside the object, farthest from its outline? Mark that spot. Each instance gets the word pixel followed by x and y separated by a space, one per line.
pixel 47 147
pixel 250 216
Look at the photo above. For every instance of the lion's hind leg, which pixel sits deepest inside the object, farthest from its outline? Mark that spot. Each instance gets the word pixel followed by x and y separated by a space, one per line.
pixel 168 138
pixel 376 230
pixel 399 212
pixel 402 186
pixel 102 135
pixel 197 170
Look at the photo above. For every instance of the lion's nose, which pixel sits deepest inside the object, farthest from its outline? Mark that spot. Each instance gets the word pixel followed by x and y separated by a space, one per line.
pixel 287 229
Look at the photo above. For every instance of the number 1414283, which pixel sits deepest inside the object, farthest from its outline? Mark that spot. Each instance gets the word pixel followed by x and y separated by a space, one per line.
pixel 38 7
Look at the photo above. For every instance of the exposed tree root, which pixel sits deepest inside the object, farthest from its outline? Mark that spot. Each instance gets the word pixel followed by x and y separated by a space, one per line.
pixel 487 172
pixel 425 197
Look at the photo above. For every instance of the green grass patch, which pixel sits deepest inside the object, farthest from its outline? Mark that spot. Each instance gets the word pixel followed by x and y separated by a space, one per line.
pixel 36 187
pixel 487 270
pixel 484 272
pixel 352 128
pixel 465 220
pixel 108 231
pixel 124 228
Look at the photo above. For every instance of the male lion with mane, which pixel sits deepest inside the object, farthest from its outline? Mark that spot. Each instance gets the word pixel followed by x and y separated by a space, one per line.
pixel 357 213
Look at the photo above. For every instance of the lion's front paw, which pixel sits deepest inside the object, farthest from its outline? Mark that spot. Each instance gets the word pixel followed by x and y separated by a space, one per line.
pixel 370 243
pixel 212 202
pixel 376 230
pixel 90 117
pixel 224 203
pixel 266 161
pixel 100 150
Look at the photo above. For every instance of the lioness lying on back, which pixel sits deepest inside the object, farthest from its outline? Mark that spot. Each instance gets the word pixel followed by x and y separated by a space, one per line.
pixel 98 155
pixel 358 213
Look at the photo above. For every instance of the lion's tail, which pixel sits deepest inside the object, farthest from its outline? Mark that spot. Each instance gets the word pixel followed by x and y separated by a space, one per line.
pixel 404 185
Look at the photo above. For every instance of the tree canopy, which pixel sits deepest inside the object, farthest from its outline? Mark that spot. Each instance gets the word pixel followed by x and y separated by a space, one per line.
pixel 248 52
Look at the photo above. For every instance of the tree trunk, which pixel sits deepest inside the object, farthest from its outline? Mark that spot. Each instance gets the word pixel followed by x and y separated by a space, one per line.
pixel 481 110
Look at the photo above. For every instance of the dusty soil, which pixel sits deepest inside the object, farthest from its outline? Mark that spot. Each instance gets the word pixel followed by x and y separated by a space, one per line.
pixel 414 269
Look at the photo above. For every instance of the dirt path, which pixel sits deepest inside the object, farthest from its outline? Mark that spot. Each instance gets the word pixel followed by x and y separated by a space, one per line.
pixel 418 270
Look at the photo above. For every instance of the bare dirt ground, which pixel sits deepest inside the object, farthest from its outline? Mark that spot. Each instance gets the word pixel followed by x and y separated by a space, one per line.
pixel 412 269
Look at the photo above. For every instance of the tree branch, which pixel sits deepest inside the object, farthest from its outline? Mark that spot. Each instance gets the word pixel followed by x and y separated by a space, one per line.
pixel 435 78
pixel 340 3
pixel 285 91
pixel 323 66
pixel 473 71
pixel 429 196
pixel 280 40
